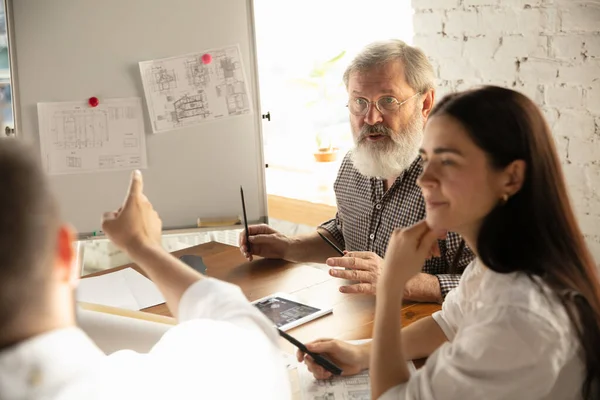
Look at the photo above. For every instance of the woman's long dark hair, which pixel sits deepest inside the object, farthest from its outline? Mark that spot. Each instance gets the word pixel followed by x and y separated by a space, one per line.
pixel 535 232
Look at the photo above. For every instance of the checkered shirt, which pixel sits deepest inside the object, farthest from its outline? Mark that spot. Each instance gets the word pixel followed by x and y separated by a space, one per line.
pixel 366 218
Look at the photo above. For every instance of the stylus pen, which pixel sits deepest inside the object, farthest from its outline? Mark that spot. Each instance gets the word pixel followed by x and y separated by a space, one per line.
pixel 329 242
pixel 319 359
pixel 248 246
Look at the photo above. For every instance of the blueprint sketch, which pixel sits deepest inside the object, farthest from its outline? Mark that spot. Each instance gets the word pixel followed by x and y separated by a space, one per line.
pixel 354 387
pixel 182 91
pixel 77 138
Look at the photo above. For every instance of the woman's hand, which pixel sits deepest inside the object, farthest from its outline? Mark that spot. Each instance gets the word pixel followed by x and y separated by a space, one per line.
pixel 351 358
pixel 406 253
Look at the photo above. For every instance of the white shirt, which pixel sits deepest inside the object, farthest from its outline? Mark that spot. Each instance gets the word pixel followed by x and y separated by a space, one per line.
pixel 506 341
pixel 223 348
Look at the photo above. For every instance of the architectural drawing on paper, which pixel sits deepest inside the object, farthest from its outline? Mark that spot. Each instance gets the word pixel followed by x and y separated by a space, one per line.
pixel 324 383
pixel 363 394
pixel 122 113
pixel 233 89
pixel 190 106
pixel 202 92
pixel 197 73
pixel 79 129
pixel 357 380
pixel 106 162
pixel 73 162
pixel 76 138
pixel 325 396
pixel 336 388
pixel 235 97
pixel 162 80
pixel 130 142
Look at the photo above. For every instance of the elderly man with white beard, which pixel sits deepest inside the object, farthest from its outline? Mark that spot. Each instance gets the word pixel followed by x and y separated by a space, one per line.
pixel 390 95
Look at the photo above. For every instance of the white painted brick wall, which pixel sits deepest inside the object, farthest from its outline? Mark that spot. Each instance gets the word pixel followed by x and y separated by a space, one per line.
pixel 480 2
pixel 521 46
pixel 591 44
pixel 593 100
pixel 580 18
pixel 576 124
pixel 566 47
pixel 484 46
pixel 538 70
pixel 547 49
pixel 428 22
pixel 459 22
pixel 563 97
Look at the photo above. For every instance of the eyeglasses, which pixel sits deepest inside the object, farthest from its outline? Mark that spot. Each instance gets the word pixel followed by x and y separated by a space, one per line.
pixel 386 104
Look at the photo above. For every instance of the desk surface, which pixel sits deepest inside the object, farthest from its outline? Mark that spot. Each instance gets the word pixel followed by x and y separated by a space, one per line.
pixel 352 316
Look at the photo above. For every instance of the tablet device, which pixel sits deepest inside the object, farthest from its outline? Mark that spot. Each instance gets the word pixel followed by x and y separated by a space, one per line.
pixel 287 311
pixel 195 262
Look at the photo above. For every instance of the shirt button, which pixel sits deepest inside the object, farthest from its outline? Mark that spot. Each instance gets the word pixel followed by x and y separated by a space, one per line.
pixel 378 206
pixel 372 236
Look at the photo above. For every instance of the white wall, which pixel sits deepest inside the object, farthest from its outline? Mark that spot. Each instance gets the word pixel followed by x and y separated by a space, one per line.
pixel 548 49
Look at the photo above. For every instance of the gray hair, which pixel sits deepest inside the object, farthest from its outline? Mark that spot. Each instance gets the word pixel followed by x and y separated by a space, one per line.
pixel 418 70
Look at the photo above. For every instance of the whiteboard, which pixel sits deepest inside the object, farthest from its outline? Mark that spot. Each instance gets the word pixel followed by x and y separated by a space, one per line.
pixel 71 50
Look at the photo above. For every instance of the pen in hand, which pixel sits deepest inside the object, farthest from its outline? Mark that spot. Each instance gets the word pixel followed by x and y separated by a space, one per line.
pixel 319 359
pixel 248 245
pixel 329 242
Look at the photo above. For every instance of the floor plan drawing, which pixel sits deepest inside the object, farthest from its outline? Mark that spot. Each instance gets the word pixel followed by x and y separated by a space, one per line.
pixel 76 129
pixel 198 74
pixel 77 138
pixel 353 387
pixel 73 162
pixel 325 396
pixel 161 79
pixel 183 91
pixel 191 106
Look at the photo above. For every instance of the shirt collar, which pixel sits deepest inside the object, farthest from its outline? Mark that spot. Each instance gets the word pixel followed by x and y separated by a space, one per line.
pixel 46 362
pixel 414 169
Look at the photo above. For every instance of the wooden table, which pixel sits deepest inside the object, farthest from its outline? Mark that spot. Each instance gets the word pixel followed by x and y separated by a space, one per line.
pixel 352 316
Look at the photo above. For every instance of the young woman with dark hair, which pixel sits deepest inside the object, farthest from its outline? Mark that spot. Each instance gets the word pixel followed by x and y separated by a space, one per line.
pixel 524 322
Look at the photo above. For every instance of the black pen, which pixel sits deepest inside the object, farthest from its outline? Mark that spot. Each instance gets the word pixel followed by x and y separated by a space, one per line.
pixel 319 359
pixel 248 246
pixel 340 252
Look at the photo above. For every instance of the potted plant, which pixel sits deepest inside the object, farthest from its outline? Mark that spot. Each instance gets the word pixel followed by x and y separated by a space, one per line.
pixel 325 150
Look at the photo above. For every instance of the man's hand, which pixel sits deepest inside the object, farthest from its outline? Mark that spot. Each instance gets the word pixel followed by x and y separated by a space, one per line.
pixel 364 267
pixel 352 359
pixel 265 242
pixel 135 224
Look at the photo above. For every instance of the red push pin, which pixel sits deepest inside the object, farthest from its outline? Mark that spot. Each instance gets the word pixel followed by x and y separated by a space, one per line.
pixel 206 58
pixel 93 101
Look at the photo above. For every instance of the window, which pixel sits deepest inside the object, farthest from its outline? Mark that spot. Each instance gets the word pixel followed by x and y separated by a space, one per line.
pixel 6 110
pixel 303 49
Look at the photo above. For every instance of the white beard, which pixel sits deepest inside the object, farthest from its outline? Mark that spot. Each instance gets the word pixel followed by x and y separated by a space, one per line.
pixel 390 156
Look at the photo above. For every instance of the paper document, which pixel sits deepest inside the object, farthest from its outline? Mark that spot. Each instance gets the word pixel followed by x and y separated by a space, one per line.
pixel 77 138
pixel 289 360
pixel 355 387
pixel 126 289
pixel 184 90
pixel 115 332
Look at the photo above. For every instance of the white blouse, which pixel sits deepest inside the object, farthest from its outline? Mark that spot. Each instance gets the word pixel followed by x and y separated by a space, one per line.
pixel 507 340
